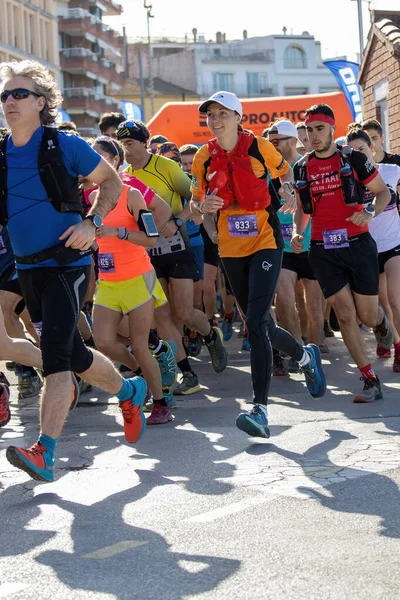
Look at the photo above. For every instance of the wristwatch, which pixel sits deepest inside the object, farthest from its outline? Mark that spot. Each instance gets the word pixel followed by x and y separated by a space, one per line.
pixel 96 220
pixel 370 210
pixel 290 186
pixel 178 222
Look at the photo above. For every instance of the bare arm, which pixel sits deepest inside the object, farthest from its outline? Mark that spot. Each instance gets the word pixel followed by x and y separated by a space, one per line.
pixel 382 198
pixel 300 222
pixel 110 188
pixel 161 212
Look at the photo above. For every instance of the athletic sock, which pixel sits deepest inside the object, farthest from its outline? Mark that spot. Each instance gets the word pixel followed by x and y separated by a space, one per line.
pixel 139 372
pixel 367 372
pixel 49 443
pixel 126 391
pixel 210 337
pixel 397 349
pixel 30 370
pixel 184 366
pixel 163 348
pixel 157 350
pixel 154 340
pixel 161 402
pixel 90 342
pixel 304 360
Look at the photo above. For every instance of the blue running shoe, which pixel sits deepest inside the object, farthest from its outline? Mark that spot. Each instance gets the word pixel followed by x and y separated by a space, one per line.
pixel 254 423
pixel 169 397
pixel 167 363
pixel 246 344
pixel 314 373
pixel 227 329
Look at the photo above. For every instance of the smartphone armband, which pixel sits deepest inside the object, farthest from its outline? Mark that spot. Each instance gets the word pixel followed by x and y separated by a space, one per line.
pixel 147 224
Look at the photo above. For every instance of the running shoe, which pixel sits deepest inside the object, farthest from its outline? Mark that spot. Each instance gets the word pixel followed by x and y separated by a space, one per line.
pixel 169 397
pixel 76 392
pixel 370 392
pixel 328 331
pixel 11 365
pixel 246 346
pixel 125 371
pixel 382 352
pixel 384 333
pixel 167 363
pixel 227 329
pixel 314 373
pixel 396 363
pixel 214 321
pixel 5 413
pixel 241 333
pixel 160 415
pixel 132 410
pixel 217 350
pixel 4 381
pixel 34 460
pixel 293 366
pixel 323 348
pixel 188 385
pixel 28 385
pixel 194 344
pixel 278 368
pixel 254 423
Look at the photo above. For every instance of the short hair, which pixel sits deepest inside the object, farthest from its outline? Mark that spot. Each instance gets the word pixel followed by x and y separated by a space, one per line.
pixel 188 149
pixel 372 124
pixel 157 139
pixel 44 85
pixel 324 109
pixel 301 125
pixel 111 119
pixel 356 132
pixel 67 126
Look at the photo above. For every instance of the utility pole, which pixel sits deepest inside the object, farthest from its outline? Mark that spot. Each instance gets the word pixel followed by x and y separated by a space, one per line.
pixel 148 8
pixel 360 28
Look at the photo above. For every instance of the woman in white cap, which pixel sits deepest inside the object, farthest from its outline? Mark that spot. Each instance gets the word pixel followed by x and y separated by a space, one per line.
pixel 229 180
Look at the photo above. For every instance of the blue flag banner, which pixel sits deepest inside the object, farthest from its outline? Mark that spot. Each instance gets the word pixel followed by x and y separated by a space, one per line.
pixel 130 110
pixel 62 115
pixel 346 74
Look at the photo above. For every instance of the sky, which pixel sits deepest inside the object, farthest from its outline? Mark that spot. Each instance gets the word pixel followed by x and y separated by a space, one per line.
pixel 333 22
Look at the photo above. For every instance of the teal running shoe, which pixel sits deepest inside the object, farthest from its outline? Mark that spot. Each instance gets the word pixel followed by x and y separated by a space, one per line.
pixel 314 372
pixel 167 363
pixel 254 423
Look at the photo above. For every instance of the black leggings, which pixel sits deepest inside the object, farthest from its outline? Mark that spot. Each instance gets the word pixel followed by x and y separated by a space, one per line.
pixel 253 280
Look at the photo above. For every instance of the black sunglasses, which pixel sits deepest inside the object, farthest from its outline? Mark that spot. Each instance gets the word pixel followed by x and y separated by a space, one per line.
pixel 276 141
pixel 17 94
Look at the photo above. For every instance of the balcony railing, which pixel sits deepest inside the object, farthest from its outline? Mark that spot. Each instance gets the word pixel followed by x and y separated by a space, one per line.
pixel 263 57
pixel 79 19
pixel 79 60
pixel 88 99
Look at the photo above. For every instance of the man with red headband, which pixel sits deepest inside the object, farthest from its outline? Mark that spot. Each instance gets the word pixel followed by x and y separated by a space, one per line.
pixel 330 187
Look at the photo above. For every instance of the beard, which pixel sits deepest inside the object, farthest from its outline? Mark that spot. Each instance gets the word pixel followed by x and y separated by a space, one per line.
pixel 328 143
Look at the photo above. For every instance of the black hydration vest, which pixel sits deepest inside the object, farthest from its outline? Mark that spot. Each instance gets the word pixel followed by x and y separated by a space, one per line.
pixel 61 188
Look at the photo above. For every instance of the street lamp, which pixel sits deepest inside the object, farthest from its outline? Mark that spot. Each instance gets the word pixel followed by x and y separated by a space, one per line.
pixel 148 8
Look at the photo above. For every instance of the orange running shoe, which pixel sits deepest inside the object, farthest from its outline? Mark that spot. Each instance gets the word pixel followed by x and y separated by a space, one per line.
pixel 34 460
pixel 396 363
pixel 132 410
pixel 382 352
pixel 5 413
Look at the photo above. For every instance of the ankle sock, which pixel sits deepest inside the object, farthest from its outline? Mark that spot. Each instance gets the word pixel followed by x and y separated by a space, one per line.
pixel 367 372
pixel 184 365
pixel 139 372
pixel 305 359
pixel 210 337
pixel 229 316
pixel 49 443
pixel 161 402
pixel 397 349
pixel 126 392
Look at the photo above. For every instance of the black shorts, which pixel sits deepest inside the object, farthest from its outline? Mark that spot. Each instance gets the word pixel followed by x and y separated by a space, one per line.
pixel 9 281
pixel 54 297
pixel 299 263
pixel 180 268
pixel 356 265
pixel 211 253
pixel 383 257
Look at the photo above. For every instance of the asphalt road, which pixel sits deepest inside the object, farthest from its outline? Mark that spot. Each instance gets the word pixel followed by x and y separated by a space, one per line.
pixel 199 510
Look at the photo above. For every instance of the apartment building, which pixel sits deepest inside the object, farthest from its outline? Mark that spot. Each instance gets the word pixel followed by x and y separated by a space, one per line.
pixel 91 60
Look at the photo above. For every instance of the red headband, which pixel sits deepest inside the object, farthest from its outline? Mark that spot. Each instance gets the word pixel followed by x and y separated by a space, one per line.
pixel 319 117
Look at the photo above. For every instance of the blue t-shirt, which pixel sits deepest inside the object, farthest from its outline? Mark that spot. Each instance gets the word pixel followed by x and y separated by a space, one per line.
pixel 286 221
pixel 193 230
pixel 33 223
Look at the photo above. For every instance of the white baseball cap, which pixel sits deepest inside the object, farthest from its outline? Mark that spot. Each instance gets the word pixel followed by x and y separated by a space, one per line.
pixel 226 99
pixel 286 128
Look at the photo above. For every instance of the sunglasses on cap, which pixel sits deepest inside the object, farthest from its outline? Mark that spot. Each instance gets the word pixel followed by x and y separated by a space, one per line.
pixel 17 94
pixel 129 125
pixel 276 141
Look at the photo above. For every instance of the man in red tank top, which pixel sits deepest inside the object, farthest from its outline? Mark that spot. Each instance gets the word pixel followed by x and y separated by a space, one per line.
pixel 343 255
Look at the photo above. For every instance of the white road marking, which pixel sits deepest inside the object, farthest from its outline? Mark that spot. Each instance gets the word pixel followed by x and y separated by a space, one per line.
pixel 11 588
pixel 117 548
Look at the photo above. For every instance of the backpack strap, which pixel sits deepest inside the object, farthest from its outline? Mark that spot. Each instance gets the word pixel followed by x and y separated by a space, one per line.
pixel 254 151
pixel 3 179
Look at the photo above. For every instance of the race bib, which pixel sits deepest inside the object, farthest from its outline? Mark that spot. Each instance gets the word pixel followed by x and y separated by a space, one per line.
pixel 106 263
pixel 3 249
pixel 287 231
pixel 164 245
pixel 337 238
pixel 242 225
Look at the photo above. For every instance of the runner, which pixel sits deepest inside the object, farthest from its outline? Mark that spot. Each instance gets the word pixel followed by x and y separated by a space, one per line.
pixel 343 254
pixel 250 241
pixel 51 243
pixel 375 132
pixel 128 286
pixel 284 136
pixel 109 122
pixel 385 229
pixel 172 256
pixel 303 137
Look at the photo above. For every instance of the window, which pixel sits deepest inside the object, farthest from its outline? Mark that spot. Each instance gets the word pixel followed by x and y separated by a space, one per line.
pixel 294 58
pixel 295 91
pixel 222 81
pixel 257 83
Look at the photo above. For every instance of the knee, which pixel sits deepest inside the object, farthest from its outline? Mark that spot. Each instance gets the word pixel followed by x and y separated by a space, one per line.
pixel 208 286
pixel 104 344
pixel 285 297
pixel 346 315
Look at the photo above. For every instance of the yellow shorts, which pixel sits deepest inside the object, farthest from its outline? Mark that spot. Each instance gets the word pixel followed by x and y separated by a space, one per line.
pixel 125 296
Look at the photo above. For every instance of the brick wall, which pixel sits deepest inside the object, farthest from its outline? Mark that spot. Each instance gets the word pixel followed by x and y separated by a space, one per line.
pixel 382 65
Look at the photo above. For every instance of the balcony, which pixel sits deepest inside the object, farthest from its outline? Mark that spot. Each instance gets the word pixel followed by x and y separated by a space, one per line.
pixel 79 100
pixel 81 60
pixel 76 21
pixel 110 7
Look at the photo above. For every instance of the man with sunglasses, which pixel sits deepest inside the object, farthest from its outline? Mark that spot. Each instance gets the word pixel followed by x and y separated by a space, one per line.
pixel 283 134
pixel 172 256
pixel 52 243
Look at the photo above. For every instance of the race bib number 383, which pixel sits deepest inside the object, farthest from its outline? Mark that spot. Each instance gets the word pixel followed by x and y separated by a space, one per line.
pixel 242 225
pixel 337 238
